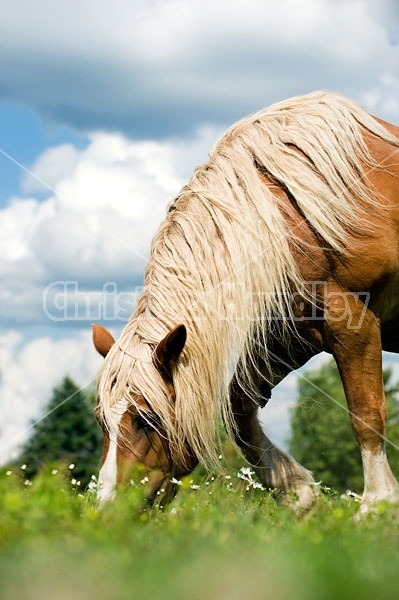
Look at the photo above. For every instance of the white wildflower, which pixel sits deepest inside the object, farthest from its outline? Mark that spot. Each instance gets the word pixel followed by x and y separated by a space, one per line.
pixel 257 486
pixel 194 487
pixel 144 480
pixel 8 473
pixel 176 481
pixel 23 467
pixel 71 466
pixel 54 471
pixel 353 495
pixel 247 471
pixel 92 487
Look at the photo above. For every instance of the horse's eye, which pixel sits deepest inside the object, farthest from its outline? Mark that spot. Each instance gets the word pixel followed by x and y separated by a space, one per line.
pixel 147 423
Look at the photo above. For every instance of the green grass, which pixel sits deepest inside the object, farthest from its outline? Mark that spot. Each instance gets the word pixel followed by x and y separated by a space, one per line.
pixel 219 541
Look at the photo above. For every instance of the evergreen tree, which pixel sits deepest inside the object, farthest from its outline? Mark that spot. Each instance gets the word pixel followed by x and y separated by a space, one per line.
pixel 321 435
pixel 68 433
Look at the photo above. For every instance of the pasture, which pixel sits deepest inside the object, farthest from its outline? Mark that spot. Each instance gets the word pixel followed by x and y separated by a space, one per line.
pixel 222 537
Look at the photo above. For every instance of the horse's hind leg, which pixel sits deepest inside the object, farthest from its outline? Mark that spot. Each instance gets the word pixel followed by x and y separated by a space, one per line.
pixel 353 334
pixel 275 469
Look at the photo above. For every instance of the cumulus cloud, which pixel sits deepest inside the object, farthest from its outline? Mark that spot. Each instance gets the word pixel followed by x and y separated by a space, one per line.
pixel 52 166
pixel 162 67
pixel 104 205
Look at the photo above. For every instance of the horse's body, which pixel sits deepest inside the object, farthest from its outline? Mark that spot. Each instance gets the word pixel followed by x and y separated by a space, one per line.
pixel 285 244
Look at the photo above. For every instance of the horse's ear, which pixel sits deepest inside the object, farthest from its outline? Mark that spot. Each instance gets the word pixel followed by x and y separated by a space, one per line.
pixel 102 339
pixel 169 349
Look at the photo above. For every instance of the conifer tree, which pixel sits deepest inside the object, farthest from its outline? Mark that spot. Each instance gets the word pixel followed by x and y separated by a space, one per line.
pixel 68 433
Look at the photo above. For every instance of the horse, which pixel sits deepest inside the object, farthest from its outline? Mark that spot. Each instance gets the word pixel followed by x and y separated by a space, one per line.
pixel 284 244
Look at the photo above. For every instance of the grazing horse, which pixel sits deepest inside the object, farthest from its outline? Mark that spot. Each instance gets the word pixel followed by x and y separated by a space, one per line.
pixel 284 244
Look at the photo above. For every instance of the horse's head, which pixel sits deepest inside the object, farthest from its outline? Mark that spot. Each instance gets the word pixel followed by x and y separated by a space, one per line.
pixel 133 431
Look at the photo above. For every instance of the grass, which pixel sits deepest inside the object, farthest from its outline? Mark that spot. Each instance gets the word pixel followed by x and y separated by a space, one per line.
pixel 223 540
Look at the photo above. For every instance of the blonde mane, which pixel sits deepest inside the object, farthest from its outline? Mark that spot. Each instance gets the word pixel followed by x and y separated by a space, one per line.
pixel 222 261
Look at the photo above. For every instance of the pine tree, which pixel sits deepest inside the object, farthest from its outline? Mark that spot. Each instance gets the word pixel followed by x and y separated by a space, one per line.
pixel 68 433
pixel 321 435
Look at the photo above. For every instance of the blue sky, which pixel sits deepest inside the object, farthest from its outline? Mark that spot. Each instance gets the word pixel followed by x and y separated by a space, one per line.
pixel 24 134
pixel 111 109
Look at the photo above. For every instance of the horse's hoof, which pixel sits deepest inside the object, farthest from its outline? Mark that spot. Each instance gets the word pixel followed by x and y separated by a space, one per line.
pixel 301 499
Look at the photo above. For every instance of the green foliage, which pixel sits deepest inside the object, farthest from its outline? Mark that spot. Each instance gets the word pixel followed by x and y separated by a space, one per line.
pixel 220 538
pixel 218 541
pixel 68 433
pixel 322 439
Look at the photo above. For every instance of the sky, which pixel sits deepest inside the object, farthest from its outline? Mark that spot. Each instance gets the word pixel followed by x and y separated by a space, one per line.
pixel 106 108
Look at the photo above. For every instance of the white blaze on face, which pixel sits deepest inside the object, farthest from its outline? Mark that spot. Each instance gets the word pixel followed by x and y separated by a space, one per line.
pixel 108 472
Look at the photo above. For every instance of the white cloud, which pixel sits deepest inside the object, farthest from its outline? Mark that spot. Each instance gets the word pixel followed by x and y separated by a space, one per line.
pixel 161 67
pixel 29 372
pixel 52 166
pixel 383 98
pixel 96 226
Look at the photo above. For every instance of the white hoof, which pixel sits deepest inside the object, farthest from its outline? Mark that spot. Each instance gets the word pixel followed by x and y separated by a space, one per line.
pixel 369 503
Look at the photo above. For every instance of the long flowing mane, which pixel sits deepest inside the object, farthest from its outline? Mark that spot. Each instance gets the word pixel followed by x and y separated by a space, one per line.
pixel 222 262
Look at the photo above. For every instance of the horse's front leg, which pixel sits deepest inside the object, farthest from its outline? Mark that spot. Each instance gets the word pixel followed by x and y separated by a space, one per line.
pixel 275 469
pixel 354 337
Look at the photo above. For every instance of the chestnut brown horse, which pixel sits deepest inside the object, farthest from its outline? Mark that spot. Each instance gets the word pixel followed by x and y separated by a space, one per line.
pixel 284 244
